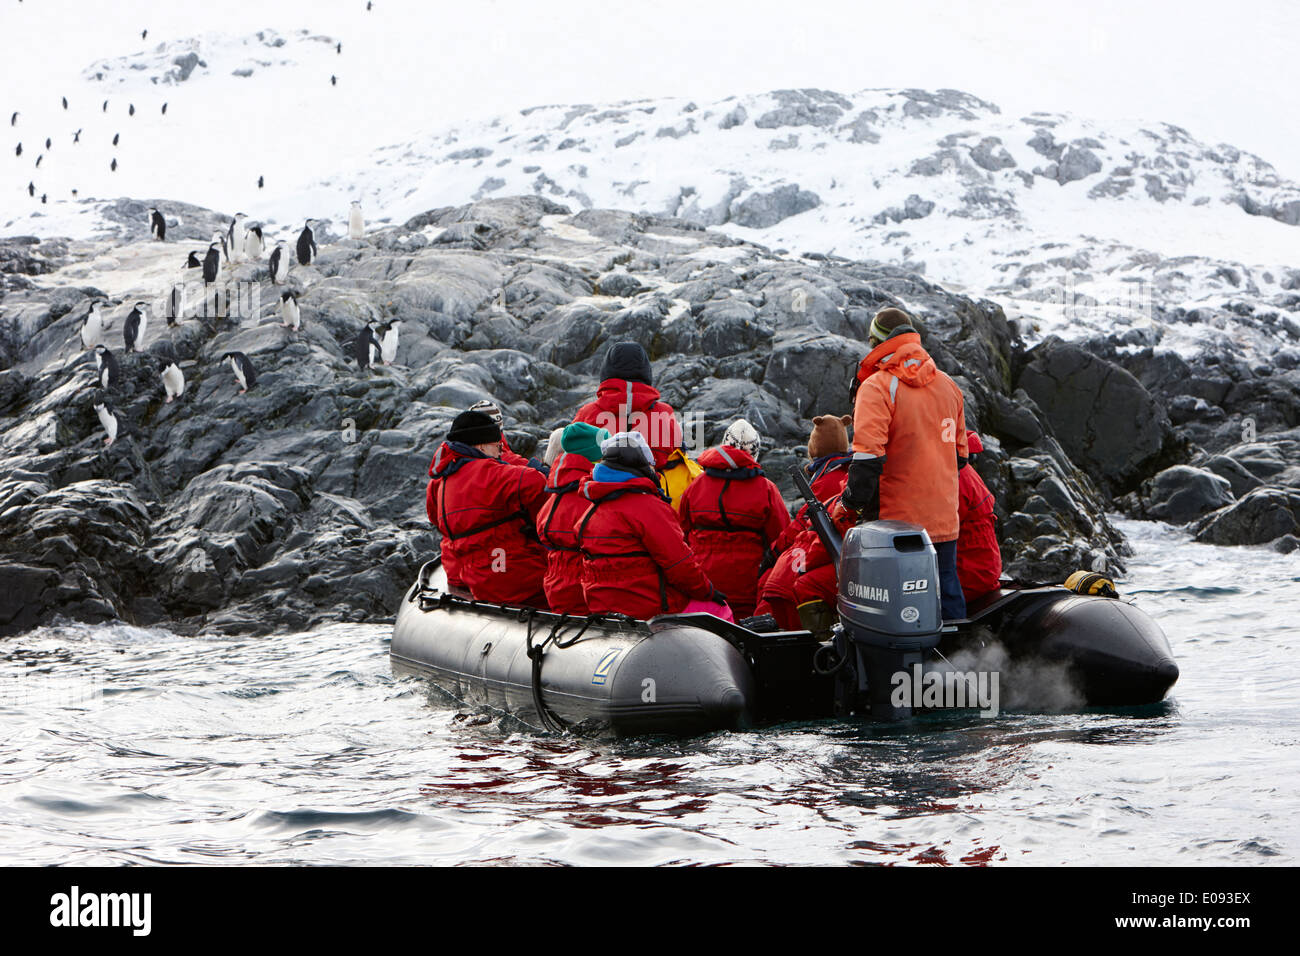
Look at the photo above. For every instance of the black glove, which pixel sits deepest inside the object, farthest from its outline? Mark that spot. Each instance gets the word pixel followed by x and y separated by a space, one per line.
pixel 717 597
pixel 862 490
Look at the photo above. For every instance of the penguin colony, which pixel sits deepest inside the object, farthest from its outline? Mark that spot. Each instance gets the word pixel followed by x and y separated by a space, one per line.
pixel 241 241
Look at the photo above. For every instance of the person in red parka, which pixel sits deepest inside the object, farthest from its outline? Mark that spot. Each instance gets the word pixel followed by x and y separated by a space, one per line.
pixel 508 455
pixel 732 515
pixel 979 559
pixel 635 560
pixel 803 572
pixel 829 458
pixel 486 511
pixel 557 522
pixel 626 400
pixel 820 577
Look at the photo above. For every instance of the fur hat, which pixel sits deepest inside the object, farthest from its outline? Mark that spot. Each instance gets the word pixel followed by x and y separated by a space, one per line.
pixel 628 361
pixel 474 428
pixel 741 434
pixel 628 451
pixel 829 436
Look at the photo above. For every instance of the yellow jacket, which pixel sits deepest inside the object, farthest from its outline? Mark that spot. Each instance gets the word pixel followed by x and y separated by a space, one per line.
pixel 677 474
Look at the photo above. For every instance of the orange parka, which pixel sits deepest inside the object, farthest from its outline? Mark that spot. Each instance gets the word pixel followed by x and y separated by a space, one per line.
pixel 911 415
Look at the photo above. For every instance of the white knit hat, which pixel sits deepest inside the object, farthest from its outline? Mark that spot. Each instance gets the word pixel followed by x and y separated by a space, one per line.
pixel 490 409
pixel 741 434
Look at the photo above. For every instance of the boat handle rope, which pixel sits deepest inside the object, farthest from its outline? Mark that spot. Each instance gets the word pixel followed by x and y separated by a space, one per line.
pixel 551 721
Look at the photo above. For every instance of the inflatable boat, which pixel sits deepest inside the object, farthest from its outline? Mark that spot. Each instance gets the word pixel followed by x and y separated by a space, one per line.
pixel 884 655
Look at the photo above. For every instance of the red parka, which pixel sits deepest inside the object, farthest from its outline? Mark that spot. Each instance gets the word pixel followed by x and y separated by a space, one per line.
pixel 634 558
pixel 485 510
pixel 557 528
pixel 979 560
pixel 732 515
pixel 623 405
pixel 804 571
pixel 827 476
pixel 819 579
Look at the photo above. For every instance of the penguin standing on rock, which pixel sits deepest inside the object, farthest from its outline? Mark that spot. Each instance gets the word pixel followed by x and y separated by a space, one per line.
pixel 211 264
pixel 388 342
pixel 235 237
pixel 290 314
pixel 157 225
pixel 356 224
pixel 172 378
pixel 109 373
pixel 107 418
pixel 365 347
pixel 133 329
pixel 242 366
pixel 92 327
pixel 307 244
pixel 253 243
pixel 279 263
pixel 192 262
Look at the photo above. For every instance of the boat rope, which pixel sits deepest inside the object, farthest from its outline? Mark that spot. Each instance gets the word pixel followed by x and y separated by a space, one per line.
pixel 827 671
pixel 551 721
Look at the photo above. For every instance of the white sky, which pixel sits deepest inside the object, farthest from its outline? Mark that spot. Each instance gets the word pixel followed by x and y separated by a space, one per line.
pixel 1226 72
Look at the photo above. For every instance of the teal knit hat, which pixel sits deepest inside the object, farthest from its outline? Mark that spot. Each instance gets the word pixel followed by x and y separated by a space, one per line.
pixel 583 439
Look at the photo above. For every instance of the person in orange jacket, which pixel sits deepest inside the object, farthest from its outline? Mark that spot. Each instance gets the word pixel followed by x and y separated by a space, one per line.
pixel 909 439
pixel 979 559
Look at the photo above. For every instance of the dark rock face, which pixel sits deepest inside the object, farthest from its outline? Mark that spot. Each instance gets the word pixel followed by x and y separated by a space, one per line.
pixel 1264 515
pixel 302 501
pixel 1103 417
pixel 1182 493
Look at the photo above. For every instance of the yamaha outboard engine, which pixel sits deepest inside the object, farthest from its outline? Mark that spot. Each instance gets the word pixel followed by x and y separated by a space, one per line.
pixel 890 614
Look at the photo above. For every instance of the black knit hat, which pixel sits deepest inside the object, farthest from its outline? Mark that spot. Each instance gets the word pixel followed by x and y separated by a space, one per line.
pixel 627 360
pixel 474 428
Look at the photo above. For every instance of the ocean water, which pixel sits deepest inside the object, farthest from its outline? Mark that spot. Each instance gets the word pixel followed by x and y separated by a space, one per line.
pixel 123 745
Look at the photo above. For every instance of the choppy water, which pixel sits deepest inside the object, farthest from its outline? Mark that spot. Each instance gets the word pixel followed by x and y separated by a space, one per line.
pixel 121 745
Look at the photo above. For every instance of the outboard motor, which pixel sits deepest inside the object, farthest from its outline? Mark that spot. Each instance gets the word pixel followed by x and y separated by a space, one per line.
pixel 890 614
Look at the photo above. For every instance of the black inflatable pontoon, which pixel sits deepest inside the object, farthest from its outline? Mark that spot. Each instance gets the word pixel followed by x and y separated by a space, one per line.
pixel 692 673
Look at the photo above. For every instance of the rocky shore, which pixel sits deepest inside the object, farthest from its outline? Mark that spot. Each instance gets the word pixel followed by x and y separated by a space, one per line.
pixel 302 501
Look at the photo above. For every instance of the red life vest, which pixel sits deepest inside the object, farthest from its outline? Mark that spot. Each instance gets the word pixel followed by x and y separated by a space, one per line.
pixel 485 511
pixel 635 560
pixel 731 516
pixel 557 529
pixel 979 559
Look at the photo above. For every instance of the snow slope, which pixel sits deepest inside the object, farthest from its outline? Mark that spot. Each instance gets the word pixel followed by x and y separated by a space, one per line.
pixel 1074 227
